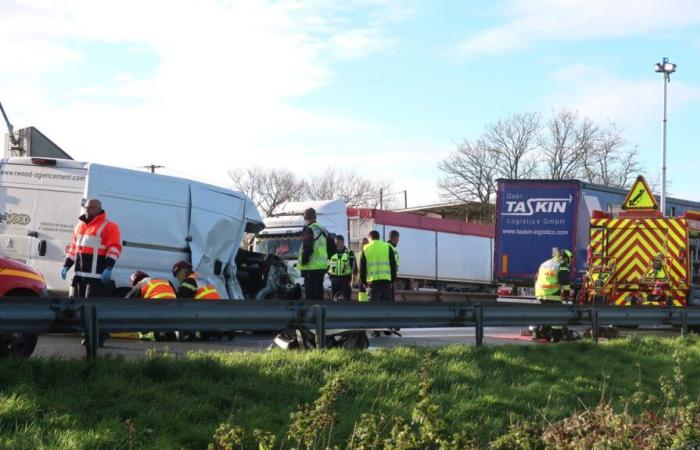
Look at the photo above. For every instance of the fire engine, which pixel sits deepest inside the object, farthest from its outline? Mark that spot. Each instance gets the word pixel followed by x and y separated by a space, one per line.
pixel 638 256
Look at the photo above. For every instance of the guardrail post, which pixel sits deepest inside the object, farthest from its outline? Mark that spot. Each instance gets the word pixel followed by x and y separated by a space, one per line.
pixel 320 319
pixel 684 322
pixel 595 328
pixel 92 335
pixel 479 321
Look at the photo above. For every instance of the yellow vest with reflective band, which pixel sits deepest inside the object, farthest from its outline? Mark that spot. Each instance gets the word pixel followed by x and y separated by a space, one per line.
pixel 377 259
pixel 362 296
pixel 319 256
pixel 339 266
pixel 397 259
pixel 547 285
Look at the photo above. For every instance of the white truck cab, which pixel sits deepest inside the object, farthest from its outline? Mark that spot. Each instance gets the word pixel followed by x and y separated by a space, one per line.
pixel 162 219
pixel 282 233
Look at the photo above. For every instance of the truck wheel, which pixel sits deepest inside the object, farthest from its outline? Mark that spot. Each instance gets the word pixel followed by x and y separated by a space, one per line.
pixel 19 345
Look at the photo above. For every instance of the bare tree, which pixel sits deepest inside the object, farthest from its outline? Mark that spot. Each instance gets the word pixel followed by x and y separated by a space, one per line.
pixel 566 141
pixel 268 188
pixel 514 140
pixel 608 162
pixel 350 187
pixel 470 173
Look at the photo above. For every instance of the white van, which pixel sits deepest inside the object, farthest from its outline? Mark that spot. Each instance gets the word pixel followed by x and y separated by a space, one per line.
pixel 162 219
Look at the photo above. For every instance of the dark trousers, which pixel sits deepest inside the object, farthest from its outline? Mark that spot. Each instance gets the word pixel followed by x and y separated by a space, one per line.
pixel 341 285
pixel 87 288
pixel 380 291
pixel 313 284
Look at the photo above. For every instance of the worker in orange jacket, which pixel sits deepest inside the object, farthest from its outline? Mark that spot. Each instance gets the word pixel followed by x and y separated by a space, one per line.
pixel 94 250
pixel 190 285
pixel 144 286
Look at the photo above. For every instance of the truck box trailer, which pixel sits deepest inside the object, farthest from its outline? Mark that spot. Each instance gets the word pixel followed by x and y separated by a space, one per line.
pixel 162 219
pixel 535 216
pixel 435 253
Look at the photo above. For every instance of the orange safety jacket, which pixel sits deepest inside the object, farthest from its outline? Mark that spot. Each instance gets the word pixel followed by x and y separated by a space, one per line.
pixel 157 288
pixel 193 287
pixel 96 245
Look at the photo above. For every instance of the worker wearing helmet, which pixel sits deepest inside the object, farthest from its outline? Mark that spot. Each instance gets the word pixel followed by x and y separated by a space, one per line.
pixel 190 285
pixel 553 286
pixel 152 288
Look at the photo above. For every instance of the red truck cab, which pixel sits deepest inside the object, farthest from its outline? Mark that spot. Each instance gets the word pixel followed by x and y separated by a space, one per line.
pixel 19 280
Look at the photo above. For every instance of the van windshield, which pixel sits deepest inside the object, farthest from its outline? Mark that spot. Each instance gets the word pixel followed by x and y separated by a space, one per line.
pixel 284 247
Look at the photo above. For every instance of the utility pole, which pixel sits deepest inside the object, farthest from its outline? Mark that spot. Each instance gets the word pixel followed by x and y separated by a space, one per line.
pixel 153 167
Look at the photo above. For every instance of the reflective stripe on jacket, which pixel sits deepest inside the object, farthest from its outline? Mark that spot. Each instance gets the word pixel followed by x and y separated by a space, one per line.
pixel 378 262
pixel 93 242
pixel 319 256
pixel 206 292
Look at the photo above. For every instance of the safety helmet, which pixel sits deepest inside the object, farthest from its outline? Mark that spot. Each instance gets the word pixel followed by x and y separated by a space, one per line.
pixel 178 266
pixel 138 276
pixel 566 253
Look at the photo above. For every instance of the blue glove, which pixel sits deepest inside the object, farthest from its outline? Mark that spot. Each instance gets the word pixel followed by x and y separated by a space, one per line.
pixel 64 272
pixel 106 275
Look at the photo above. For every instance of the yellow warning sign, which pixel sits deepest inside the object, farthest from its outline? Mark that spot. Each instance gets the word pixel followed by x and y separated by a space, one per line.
pixel 640 197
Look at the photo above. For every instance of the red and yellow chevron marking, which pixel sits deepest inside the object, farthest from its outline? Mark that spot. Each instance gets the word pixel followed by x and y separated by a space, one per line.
pixel 632 244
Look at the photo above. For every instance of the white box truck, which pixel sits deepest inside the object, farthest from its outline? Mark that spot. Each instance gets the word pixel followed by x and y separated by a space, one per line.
pixel 162 219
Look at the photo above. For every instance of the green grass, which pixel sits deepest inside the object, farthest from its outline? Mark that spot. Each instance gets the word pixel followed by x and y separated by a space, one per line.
pixel 178 402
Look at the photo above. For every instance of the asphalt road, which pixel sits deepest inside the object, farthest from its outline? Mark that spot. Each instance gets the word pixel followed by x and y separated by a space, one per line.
pixel 69 347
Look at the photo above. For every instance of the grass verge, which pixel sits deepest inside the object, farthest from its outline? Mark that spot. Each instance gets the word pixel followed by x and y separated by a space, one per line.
pixel 219 399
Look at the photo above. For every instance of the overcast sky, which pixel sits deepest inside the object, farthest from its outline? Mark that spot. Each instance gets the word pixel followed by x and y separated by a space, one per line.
pixel 383 87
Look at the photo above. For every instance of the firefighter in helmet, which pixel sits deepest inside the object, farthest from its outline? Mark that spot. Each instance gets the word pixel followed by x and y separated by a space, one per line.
pixel 144 286
pixel 553 286
pixel 190 285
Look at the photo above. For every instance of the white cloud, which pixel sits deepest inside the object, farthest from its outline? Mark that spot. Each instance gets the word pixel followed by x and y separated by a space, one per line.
pixel 220 94
pixel 633 104
pixel 530 21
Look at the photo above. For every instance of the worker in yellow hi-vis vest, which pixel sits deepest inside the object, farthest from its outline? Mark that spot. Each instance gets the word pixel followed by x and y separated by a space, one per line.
pixel 378 268
pixel 553 286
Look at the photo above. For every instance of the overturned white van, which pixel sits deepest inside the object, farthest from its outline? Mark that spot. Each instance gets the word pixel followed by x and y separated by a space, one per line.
pixel 162 219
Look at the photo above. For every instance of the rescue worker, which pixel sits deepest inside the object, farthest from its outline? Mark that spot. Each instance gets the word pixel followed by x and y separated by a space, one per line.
pixel 378 268
pixel 394 242
pixel 94 250
pixel 340 269
pixel 313 256
pixel 190 285
pixel 657 277
pixel 553 286
pixel 152 288
pixel 362 295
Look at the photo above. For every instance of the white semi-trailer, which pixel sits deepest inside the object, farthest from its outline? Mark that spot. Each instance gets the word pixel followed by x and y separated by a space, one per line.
pixel 437 253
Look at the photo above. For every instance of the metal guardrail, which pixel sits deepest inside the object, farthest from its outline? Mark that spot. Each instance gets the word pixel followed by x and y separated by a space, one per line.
pixel 95 316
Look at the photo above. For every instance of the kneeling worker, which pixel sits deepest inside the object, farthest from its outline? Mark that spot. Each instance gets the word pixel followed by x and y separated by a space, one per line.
pixel 190 285
pixel 144 286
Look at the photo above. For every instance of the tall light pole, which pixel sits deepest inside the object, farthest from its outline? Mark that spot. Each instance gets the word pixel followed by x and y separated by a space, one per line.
pixel 667 68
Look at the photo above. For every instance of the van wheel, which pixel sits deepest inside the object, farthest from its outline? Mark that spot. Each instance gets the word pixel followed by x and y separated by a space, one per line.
pixel 20 345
